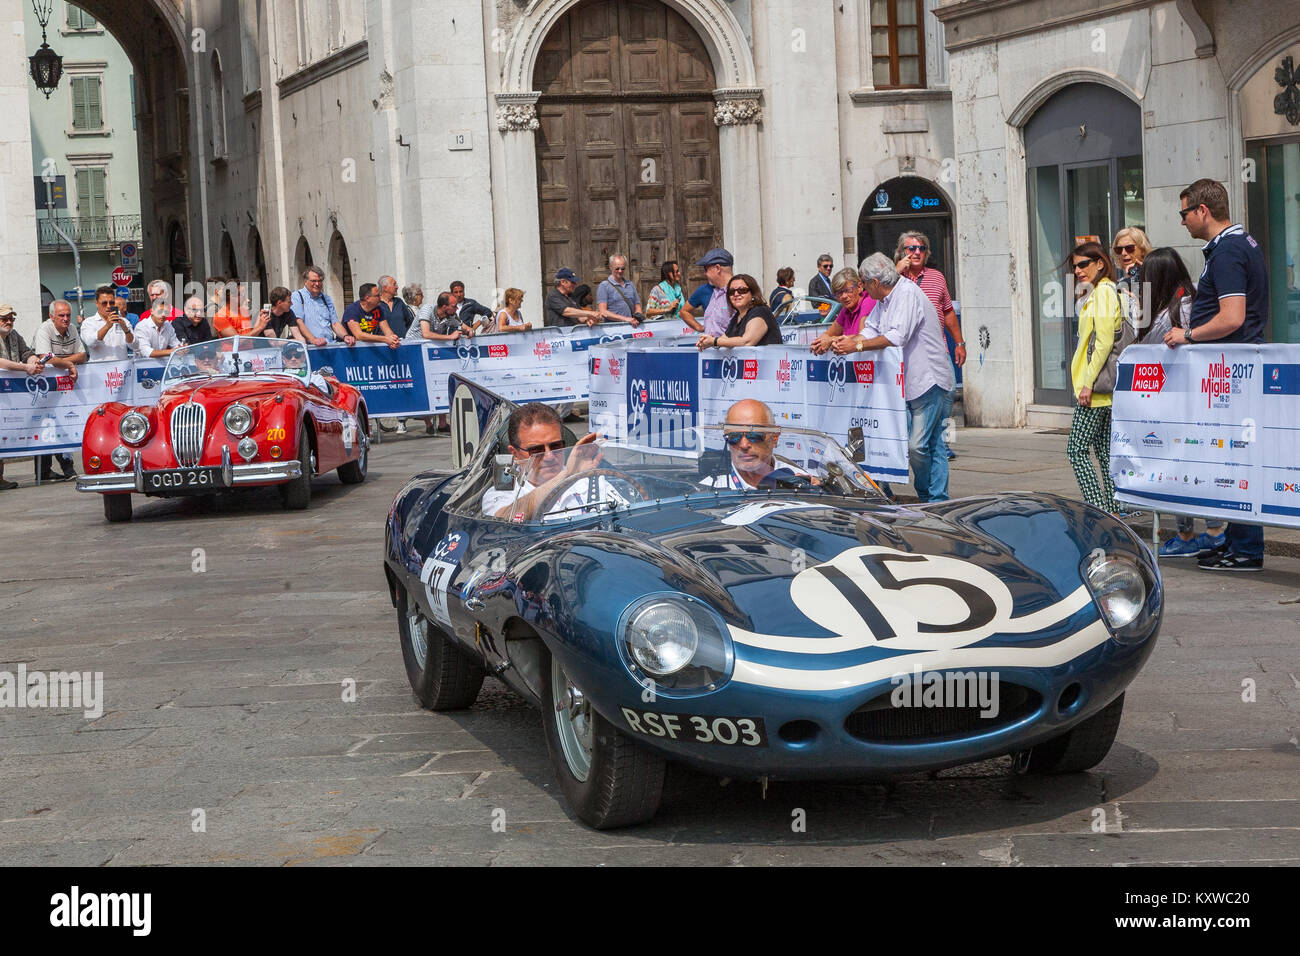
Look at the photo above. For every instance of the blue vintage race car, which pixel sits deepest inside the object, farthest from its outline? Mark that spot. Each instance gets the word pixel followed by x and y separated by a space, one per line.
pixel 656 608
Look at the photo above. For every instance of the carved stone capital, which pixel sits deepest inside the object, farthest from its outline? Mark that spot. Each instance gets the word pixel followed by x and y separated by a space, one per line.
pixel 517 112
pixel 737 106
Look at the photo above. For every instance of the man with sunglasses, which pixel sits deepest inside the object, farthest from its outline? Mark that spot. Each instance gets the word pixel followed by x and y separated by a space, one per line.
pixel 536 440
pixel 820 284
pixel 751 435
pixel 1231 305
pixel 15 356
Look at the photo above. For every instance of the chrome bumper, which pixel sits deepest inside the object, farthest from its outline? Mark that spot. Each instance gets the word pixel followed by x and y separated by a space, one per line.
pixel 231 476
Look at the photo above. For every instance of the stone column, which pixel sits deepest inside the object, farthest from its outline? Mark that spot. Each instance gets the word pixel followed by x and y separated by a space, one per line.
pixel 519 237
pixel 18 259
pixel 737 113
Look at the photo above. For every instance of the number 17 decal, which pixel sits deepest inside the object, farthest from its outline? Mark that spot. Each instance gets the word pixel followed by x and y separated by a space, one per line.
pixel 903 600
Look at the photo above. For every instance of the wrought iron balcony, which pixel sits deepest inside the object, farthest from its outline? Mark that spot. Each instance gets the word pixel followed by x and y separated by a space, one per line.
pixel 88 232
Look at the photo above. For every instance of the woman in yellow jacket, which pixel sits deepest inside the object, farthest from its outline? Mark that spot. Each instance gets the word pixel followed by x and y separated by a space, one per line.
pixel 1099 317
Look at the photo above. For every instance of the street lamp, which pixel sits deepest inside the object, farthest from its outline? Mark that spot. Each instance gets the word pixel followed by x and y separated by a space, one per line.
pixel 46 65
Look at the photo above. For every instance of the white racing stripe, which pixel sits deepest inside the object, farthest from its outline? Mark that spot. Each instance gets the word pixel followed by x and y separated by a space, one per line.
pixel 1037 621
pixel 1052 655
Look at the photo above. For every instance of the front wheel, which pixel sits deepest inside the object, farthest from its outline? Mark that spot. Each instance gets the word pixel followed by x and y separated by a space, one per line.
pixel 608 779
pixel 117 507
pixel 1080 748
pixel 441 674
pixel 295 494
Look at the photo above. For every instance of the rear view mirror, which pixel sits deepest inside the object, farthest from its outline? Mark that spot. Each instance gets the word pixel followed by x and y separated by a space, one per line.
pixel 857 446
pixel 503 472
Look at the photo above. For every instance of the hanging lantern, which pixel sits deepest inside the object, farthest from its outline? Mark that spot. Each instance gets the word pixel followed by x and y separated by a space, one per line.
pixel 46 65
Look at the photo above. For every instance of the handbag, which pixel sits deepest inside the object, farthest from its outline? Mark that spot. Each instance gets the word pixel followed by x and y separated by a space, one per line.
pixel 1125 335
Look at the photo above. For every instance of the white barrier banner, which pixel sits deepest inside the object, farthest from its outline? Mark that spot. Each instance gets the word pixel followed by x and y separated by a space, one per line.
pixel 658 392
pixel 44 414
pixel 1209 431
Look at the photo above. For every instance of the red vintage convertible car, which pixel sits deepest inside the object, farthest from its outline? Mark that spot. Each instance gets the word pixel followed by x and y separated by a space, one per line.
pixel 234 413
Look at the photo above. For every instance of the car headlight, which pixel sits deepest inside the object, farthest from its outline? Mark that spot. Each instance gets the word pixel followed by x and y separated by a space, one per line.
pixel 1118 586
pixel 133 428
pixel 675 643
pixel 238 419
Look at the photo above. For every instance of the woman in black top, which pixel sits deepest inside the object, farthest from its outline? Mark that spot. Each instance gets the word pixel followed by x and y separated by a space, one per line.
pixel 752 322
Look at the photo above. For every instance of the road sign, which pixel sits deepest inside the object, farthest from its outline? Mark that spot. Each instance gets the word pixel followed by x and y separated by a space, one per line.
pixel 123 292
pixel 128 251
pixel 120 276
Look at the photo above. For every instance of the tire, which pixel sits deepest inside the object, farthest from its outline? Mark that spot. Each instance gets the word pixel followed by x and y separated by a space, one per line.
pixel 1082 747
pixel 295 494
pixel 354 472
pixel 609 780
pixel 117 507
pixel 442 675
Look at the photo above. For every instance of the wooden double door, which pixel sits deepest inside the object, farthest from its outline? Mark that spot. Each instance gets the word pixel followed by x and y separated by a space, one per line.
pixel 627 151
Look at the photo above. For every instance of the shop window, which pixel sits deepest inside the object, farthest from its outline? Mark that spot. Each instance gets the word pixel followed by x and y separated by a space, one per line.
pixel 1273 218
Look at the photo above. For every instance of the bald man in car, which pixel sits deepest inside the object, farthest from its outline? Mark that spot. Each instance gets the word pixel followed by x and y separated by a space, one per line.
pixel 751 435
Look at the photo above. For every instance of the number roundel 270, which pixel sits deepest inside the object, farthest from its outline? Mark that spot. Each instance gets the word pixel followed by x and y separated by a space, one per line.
pixel 903 600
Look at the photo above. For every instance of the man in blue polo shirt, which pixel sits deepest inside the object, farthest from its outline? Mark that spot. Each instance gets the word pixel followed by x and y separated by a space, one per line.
pixel 1231 305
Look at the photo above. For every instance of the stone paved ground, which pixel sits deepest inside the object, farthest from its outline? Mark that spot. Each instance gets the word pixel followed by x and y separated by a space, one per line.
pixel 224 694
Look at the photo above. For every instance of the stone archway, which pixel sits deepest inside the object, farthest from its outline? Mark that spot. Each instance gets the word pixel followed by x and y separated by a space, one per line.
pixel 301 259
pixel 155 38
pixel 338 277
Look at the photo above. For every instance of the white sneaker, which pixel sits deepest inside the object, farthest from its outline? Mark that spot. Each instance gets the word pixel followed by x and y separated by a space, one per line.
pixel 401 427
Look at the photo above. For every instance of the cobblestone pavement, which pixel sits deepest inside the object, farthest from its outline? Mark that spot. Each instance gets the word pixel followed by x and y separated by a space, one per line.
pixel 226 639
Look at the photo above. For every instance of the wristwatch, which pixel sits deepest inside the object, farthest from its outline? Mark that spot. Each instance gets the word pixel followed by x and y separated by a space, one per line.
pixel 860 344
pixel 1187 336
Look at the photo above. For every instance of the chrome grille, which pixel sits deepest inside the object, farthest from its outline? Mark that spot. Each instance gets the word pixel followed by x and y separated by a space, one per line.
pixel 188 425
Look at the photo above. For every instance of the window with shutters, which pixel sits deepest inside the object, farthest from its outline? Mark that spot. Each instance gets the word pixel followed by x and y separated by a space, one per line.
pixel 79 19
pixel 87 103
pixel 92 192
pixel 897 43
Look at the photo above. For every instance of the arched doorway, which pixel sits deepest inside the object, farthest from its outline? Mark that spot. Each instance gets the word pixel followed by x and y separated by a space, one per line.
pixel 627 150
pixel 178 255
pixel 1083 153
pixel 339 278
pixel 257 265
pixel 301 259
pixel 909 203
pixel 229 264
pixel 155 37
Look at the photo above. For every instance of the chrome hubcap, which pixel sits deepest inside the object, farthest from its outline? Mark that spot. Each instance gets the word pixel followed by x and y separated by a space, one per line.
pixel 418 628
pixel 573 720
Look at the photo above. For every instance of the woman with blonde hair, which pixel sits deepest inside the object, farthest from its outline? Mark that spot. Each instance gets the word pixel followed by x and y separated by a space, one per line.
pixel 509 318
pixel 1131 246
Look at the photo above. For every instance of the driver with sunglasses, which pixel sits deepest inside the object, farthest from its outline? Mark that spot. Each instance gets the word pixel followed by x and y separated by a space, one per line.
pixel 536 440
pixel 751 435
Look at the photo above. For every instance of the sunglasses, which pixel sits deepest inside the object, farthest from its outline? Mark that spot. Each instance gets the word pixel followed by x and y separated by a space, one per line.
pixel 1129 249
pixel 916 248
pixel 7 318
pixel 1183 213
pixel 755 438
pixel 1084 263
pixel 738 290
pixel 541 449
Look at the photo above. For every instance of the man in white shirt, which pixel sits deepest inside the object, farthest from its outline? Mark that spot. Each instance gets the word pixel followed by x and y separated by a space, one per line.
pixel 107 334
pixel 537 438
pixel 154 335
pixel 905 316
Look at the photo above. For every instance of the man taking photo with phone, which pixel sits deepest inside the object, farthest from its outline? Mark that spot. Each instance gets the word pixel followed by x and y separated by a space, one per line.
pixel 107 334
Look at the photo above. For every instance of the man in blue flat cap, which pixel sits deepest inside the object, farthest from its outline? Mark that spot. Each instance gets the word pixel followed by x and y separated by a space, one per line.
pixel 717 265
pixel 561 309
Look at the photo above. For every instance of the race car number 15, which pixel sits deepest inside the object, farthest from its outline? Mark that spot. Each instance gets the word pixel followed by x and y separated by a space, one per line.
pixel 693 728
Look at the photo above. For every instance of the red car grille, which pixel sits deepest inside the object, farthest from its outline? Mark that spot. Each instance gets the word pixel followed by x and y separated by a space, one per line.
pixel 188 426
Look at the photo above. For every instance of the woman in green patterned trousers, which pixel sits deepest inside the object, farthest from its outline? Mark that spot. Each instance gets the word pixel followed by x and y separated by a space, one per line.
pixel 1099 314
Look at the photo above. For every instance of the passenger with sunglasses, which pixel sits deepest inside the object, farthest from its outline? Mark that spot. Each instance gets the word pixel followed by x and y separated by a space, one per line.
pixel 751 435
pixel 752 322
pixel 536 440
